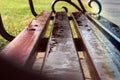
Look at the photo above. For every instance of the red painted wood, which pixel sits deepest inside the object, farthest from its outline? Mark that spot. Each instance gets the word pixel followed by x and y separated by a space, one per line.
pixel 25 43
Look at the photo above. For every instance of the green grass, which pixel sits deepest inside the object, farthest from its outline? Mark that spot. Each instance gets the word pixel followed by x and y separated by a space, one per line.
pixel 16 14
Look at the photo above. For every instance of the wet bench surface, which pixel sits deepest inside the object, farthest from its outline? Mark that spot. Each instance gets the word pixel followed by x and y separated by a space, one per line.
pixel 100 63
pixel 61 60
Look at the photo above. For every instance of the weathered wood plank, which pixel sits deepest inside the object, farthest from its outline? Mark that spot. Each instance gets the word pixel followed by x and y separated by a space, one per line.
pixel 25 44
pixel 99 64
pixel 61 60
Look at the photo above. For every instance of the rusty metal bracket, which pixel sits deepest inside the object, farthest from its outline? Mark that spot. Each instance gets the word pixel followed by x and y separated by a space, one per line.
pixel 32 8
pixel 3 32
pixel 81 8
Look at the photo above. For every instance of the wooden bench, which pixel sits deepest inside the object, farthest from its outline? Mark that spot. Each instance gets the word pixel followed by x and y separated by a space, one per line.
pixel 61 56
pixel 65 57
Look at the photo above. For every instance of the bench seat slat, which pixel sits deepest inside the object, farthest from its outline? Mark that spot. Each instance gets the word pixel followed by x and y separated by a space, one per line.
pixel 101 68
pixel 61 60
pixel 25 44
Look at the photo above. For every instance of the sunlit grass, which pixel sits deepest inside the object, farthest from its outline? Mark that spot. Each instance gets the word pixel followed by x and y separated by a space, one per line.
pixel 15 15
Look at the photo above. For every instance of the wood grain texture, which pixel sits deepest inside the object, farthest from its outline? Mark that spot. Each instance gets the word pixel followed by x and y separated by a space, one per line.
pixel 100 65
pixel 61 60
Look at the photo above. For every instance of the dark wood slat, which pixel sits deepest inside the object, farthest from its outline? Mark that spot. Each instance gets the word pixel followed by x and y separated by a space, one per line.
pixel 25 44
pixel 61 60
pixel 99 64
